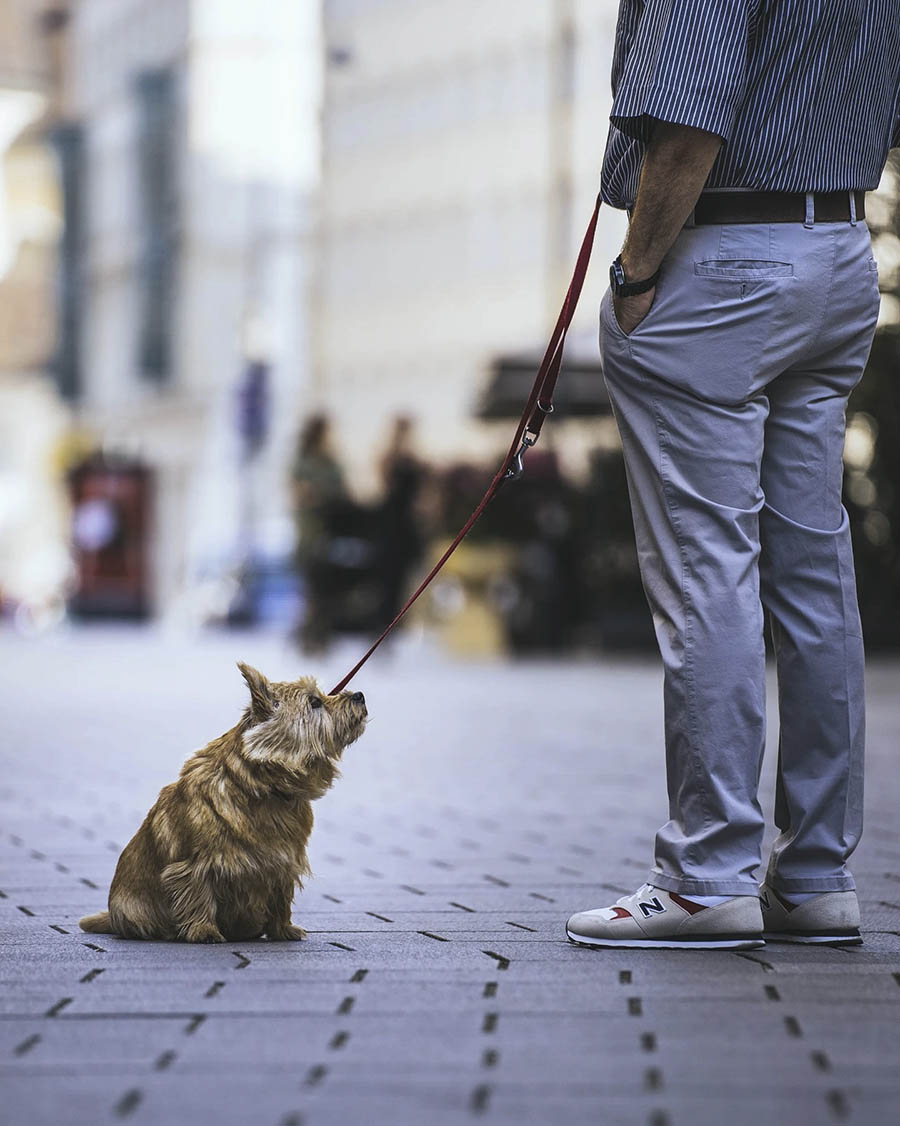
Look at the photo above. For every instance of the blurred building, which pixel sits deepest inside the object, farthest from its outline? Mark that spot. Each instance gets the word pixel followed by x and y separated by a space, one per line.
pixel 461 152
pixel 188 153
pixel 34 562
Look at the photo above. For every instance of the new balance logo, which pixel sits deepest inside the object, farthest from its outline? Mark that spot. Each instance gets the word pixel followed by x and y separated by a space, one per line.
pixel 654 907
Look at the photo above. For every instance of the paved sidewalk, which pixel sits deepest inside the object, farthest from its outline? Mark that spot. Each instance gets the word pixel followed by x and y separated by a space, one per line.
pixel 483 805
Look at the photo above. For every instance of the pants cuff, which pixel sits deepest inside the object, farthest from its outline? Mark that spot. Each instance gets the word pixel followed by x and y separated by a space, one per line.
pixel 815 883
pixel 684 886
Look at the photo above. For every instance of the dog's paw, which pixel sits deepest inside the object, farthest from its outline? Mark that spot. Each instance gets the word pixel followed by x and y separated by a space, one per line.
pixel 203 932
pixel 290 933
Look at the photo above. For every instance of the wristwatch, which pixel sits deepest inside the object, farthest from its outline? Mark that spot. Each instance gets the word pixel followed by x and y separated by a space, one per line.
pixel 621 288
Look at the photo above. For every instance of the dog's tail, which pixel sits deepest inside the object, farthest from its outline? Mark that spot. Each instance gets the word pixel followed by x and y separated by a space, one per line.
pixel 97 924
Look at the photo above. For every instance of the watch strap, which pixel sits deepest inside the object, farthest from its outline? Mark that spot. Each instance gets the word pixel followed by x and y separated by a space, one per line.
pixel 623 288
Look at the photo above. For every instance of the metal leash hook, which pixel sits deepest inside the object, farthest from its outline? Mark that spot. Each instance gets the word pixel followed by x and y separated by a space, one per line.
pixel 515 471
pixel 529 439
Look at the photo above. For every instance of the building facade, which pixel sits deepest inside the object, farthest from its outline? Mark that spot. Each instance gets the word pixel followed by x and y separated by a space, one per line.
pixel 461 152
pixel 188 149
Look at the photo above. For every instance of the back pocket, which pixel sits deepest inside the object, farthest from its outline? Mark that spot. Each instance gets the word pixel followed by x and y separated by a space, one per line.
pixel 742 269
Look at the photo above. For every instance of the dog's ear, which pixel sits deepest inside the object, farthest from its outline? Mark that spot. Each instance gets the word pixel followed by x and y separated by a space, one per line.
pixel 262 698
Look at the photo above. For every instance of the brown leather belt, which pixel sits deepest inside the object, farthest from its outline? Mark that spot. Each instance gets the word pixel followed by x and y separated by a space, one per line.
pixel 776 207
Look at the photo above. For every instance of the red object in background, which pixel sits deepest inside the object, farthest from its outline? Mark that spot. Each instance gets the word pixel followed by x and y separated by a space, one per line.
pixel 111 538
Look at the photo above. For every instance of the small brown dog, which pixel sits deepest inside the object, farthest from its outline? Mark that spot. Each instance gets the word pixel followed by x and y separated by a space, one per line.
pixel 218 855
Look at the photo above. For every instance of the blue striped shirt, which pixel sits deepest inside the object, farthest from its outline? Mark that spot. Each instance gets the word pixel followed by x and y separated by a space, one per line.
pixel 805 93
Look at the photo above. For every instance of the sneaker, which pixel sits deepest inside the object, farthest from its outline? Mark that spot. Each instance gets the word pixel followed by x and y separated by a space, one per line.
pixel 831 919
pixel 653 917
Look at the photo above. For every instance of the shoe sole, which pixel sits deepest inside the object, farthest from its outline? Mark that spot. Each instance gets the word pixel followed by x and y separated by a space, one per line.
pixel 695 942
pixel 820 938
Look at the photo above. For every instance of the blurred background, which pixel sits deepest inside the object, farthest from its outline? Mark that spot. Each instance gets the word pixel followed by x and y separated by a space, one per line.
pixel 274 282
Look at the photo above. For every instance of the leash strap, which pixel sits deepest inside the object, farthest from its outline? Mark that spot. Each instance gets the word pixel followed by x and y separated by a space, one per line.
pixel 528 430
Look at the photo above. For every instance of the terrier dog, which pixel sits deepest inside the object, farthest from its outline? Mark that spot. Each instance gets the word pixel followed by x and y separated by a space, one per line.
pixel 218 855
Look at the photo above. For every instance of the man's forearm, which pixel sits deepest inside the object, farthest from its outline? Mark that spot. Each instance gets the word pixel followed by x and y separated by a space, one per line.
pixel 676 165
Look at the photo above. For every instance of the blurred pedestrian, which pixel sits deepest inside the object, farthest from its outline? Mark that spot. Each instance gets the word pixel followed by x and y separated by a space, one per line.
pixel 318 488
pixel 400 540
pixel 741 312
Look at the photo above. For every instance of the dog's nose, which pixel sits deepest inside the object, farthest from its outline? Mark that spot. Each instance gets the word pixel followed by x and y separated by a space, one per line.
pixel 358 698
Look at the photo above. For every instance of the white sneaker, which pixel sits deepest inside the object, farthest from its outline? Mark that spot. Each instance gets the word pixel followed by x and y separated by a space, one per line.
pixel 653 917
pixel 829 919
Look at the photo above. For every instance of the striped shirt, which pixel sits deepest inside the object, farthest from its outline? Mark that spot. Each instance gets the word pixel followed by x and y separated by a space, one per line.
pixel 805 93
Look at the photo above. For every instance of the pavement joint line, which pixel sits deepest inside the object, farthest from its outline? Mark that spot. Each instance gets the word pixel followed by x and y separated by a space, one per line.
pixel 767 967
pixel 339 1039
pixel 820 1060
pixel 56 1009
pixel 243 962
pixel 90 975
pixel 346 1005
pixel 359 976
pixel 490 1057
pixel 653 1079
pixel 490 989
pixel 333 898
pixel 792 1027
pixel 94 946
pixel 340 946
pixel 383 918
pixel 57 927
pixel 194 1023
pixel 27 1044
pixel 537 895
pixel 431 934
pixel 497 881
pixel 521 926
pixel 635 1007
pixel 648 1042
pixel 479 1099
pixel 658 1118
pixel 164 1060
pixel 837 1103
pixel 489 1024
pixel 462 907
pixel 315 1075
pixel 771 992
pixel 413 890
pixel 128 1103
pixel 624 977
pixel 27 911
pixel 214 988
pixel 501 959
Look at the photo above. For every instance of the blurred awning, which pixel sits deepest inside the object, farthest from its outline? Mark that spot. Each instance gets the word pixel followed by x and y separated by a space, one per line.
pixel 580 392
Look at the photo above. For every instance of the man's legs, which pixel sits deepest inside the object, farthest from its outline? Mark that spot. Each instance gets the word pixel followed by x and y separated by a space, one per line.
pixel 693 445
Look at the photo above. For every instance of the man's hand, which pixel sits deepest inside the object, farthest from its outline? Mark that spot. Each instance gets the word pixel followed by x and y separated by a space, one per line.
pixel 630 311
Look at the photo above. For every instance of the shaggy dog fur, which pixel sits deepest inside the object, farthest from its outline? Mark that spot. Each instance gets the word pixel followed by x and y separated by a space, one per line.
pixel 218 855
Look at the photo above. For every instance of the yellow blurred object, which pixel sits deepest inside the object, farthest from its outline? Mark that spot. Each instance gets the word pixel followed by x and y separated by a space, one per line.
pixel 467 622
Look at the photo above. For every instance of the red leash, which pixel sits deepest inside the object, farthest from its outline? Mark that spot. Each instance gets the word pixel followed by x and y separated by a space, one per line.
pixel 539 405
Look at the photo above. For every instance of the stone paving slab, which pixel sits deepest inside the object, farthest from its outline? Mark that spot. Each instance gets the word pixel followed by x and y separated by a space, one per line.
pixel 436 985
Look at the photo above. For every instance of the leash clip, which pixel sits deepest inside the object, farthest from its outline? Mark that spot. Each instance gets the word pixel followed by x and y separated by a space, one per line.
pixel 515 471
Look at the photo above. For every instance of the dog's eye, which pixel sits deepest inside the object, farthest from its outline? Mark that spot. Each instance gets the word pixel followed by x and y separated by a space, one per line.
pixel 315 702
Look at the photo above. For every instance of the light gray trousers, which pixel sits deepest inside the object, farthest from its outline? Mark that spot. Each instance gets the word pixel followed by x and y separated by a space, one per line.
pixel 730 399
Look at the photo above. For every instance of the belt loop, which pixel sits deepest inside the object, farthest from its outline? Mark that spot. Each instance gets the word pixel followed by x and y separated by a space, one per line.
pixel 853 209
pixel 810 219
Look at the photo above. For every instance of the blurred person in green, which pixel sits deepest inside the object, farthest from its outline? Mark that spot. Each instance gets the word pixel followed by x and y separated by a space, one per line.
pixel 318 485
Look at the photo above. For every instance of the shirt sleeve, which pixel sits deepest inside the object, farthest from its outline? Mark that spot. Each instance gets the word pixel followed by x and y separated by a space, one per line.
pixel 687 64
